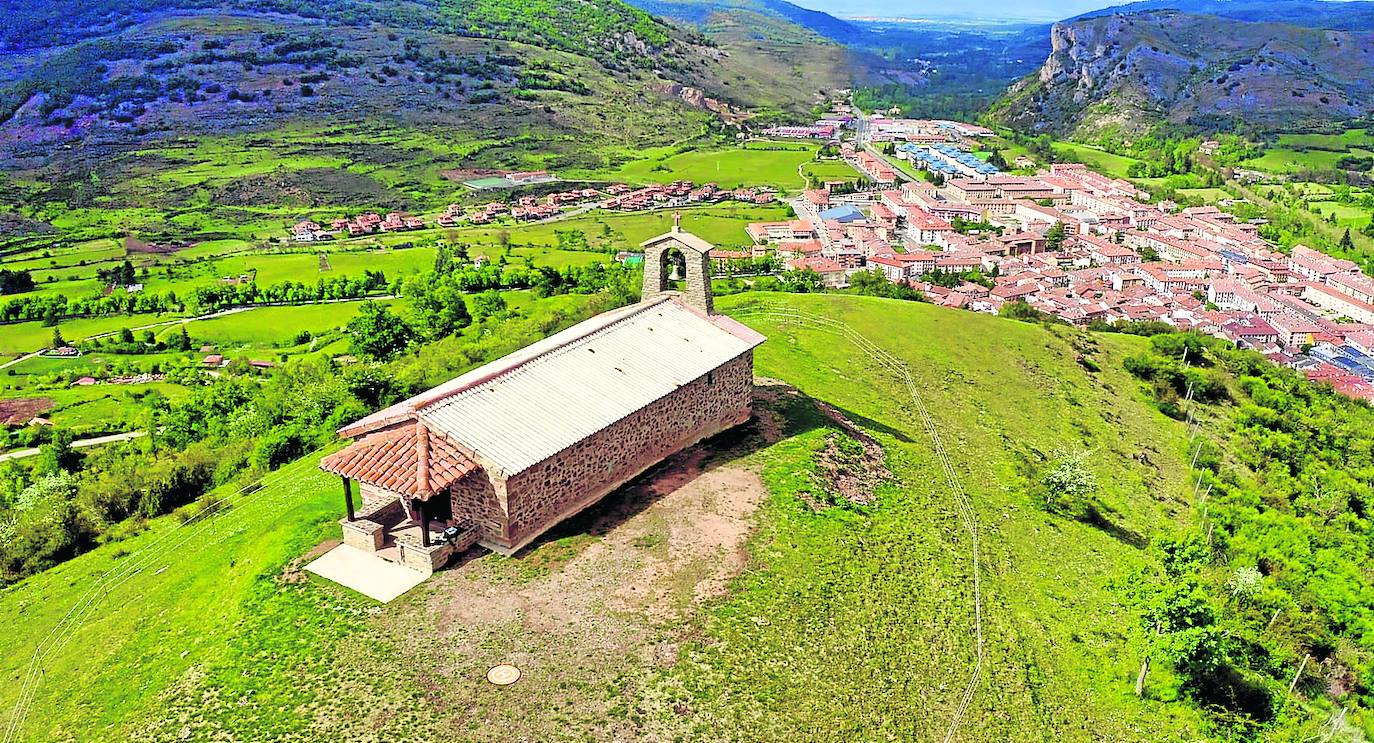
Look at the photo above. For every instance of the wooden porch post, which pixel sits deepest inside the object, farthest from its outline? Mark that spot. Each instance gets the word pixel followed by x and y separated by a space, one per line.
pixel 348 497
pixel 424 522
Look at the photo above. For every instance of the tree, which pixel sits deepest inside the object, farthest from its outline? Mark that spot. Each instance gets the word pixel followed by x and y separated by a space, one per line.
pixel 378 333
pixel 181 341
pixel 1346 243
pixel 1054 236
pixel 1068 484
pixel 58 455
pixel 437 303
pixel 489 303
pixel 57 340
pixel 15 282
pixel 1245 584
pixel 801 282
pixel 443 260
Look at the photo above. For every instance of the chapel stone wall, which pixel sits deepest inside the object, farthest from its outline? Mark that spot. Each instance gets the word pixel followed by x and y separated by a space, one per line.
pixel 558 487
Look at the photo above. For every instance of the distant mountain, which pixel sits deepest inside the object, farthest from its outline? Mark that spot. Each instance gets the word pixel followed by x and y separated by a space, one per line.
pixel 1344 16
pixel 119 72
pixel 1131 73
pixel 703 12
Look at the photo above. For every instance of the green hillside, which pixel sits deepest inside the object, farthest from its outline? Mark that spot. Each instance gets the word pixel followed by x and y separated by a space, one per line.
pixel 837 604
pixel 217 119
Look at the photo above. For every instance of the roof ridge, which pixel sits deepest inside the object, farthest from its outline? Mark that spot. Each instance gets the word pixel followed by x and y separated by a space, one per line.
pixel 421 456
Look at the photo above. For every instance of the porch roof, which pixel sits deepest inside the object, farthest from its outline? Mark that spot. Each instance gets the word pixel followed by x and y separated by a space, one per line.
pixel 406 459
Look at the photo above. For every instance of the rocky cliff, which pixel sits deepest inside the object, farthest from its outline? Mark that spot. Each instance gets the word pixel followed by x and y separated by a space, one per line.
pixel 1130 73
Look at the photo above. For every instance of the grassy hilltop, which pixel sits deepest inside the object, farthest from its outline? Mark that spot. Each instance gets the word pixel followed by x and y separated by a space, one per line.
pixel 847 620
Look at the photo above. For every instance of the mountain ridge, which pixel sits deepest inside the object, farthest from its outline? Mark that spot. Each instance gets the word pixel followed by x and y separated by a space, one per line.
pixel 1136 72
pixel 1351 15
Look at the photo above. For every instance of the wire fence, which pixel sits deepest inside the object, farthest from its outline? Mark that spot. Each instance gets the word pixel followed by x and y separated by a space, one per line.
pixel 247 506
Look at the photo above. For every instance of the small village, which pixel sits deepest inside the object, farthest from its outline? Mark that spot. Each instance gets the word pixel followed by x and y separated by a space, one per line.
pixel 617 197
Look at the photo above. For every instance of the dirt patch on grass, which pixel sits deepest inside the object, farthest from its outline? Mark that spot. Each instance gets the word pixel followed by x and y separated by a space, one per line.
pixel 850 467
pixel 643 554
pixel 21 410
pixel 133 245
pixel 295 570
pixel 470 174
pixel 596 606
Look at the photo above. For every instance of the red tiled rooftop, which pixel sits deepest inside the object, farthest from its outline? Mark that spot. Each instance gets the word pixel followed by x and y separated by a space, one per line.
pixel 406 459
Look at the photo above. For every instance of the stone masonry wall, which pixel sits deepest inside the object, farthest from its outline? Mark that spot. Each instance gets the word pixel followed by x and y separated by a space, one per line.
pixel 474 499
pixel 578 476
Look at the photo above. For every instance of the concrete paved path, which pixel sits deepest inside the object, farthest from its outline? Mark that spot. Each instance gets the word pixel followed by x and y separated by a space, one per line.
pixel 365 573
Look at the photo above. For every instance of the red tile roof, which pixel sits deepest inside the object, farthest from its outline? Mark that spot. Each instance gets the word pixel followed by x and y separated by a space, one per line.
pixel 406 459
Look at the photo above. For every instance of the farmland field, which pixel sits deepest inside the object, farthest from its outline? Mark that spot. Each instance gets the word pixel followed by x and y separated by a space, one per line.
pixel 830 170
pixel 105 408
pixel 1295 152
pixel 1284 160
pixel 268 327
pixel 25 337
pixel 1346 215
pixel 1208 195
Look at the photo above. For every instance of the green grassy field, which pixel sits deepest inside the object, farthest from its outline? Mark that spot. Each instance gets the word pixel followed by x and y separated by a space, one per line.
pixel 26 337
pixel 756 164
pixel 1294 152
pixel 1099 160
pixel 1285 160
pixel 1346 139
pixel 103 407
pixel 846 623
pixel 830 170
pixel 207 263
pixel 1346 215
pixel 1208 195
pixel 264 328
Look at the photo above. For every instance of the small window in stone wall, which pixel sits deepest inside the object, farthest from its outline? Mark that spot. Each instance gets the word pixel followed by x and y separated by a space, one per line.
pixel 710 377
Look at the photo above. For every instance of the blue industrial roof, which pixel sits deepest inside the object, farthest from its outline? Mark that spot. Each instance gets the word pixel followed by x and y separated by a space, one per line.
pixel 843 213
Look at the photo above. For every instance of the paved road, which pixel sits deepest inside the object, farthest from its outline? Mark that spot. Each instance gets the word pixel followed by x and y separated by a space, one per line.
pixel 12 362
pixel 82 444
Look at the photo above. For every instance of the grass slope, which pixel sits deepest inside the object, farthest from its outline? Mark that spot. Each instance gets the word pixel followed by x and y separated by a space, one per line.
pixel 847 623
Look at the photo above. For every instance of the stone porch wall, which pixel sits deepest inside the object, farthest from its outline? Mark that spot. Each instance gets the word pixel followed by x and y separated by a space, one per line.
pixel 583 473
pixel 429 559
pixel 367 531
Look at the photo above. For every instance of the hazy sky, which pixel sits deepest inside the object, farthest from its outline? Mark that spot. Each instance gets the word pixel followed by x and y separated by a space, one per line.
pixel 1033 9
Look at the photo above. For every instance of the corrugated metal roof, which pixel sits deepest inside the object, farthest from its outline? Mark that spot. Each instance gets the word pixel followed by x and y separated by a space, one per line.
pixel 523 416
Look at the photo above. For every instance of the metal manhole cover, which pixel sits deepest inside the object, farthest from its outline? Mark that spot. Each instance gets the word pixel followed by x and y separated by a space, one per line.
pixel 503 675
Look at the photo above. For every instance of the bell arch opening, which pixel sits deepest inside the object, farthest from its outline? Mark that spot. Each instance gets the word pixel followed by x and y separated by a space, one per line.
pixel 679 257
